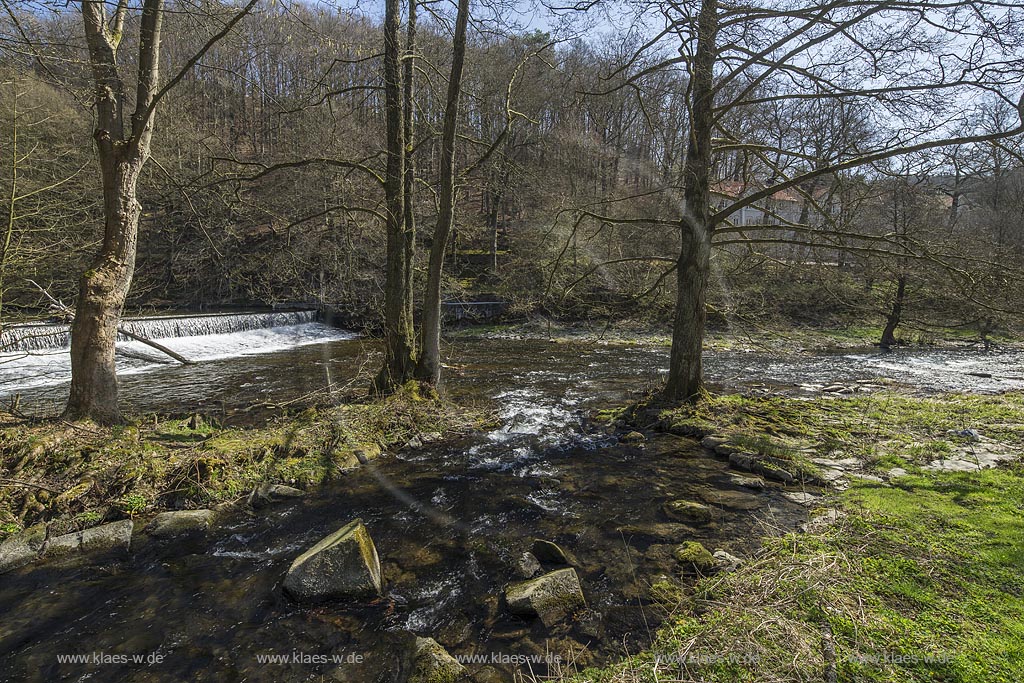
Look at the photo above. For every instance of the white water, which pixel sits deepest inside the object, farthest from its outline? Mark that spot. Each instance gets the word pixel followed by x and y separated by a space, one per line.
pixel 20 370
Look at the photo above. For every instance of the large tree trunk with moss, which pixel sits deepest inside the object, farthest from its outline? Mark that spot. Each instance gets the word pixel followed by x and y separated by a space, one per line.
pixel 123 148
pixel 399 333
pixel 429 367
pixel 685 377
pixel 102 291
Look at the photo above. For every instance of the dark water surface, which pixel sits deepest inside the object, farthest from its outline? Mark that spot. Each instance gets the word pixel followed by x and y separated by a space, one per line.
pixel 448 521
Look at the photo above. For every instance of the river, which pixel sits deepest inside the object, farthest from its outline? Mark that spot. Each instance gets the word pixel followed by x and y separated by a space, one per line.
pixel 448 521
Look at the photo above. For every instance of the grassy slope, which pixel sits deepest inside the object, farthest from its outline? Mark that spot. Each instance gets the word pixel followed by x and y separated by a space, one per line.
pixel 930 567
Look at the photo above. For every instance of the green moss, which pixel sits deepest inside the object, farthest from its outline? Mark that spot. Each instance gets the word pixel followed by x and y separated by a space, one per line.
pixel 694 552
pixel 920 582
pixel 871 426
pixel 667 592
pixel 153 464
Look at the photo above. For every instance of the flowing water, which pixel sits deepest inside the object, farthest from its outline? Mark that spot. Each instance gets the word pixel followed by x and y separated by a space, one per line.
pixel 448 520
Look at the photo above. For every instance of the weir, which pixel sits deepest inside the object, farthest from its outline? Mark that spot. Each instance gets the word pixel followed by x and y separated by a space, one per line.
pixel 47 336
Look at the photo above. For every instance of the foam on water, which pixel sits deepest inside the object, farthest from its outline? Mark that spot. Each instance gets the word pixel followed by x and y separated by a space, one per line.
pixel 21 370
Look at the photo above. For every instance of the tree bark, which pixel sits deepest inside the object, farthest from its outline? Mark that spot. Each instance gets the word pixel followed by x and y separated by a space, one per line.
pixel 399 333
pixel 685 378
pixel 429 367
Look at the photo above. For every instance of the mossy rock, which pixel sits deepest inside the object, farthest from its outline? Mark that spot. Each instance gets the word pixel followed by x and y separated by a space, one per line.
pixel 666 592
pixel 552 597
pixel 694 552
pixel 343 565
pixel 432 664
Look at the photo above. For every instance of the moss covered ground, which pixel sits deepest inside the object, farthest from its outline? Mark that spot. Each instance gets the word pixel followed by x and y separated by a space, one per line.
pixel 73 476
pixel 919 579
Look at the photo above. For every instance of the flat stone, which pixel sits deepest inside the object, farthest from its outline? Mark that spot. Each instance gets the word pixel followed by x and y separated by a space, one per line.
pixel 688 511
pixel 830 475
pixel 21 548
pixel 737 500
pixel 769 468
pixel 178 522
pixel 801 498
pixel 344 565
pixel 838 463
pixel 756 483
pixel 973 458
pixel 897 472
pixel 821 521
pixel 726 561
pixel 266 494
pixel 552 597
pixel 103 538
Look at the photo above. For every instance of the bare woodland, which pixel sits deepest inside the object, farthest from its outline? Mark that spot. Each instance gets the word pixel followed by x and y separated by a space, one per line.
pixel 710 163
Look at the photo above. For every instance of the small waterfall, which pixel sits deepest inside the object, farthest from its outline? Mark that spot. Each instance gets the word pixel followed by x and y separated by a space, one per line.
pixel 43 337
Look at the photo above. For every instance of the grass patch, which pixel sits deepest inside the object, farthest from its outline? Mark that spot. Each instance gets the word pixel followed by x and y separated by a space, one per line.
pixel 916 581
pixel 920 582
pixel 883 429
pixel 75 476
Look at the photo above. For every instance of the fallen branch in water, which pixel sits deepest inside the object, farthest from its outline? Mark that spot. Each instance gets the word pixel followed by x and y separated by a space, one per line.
pixel 66 310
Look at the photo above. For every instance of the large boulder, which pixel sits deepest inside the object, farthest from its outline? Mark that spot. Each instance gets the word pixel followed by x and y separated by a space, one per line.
pixel 552 597
pixel 115 536
pixel 179 522
pixel 20 549
pixel 343 565
pixel 431 663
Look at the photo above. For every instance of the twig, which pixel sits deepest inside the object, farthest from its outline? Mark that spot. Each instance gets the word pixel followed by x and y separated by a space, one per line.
pixel 15 482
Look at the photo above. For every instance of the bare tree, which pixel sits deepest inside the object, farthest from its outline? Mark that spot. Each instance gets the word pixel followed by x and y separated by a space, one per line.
pixel 894 57
pixel 399 330
pixel 429 367
pixel 123 133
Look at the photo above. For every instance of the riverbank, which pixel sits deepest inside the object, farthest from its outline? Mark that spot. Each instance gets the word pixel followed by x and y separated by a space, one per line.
pixel 739 337
pixel 71 477
pixel 912 573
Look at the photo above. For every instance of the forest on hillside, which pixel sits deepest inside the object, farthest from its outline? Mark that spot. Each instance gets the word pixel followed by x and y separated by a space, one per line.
pixel 572 141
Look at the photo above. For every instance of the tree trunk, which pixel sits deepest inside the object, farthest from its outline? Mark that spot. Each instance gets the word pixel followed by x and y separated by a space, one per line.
pixel 895 314
pixel 409 177
pixel 685 376
pixel 429 367
pixel 102 291
pixel 399 335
